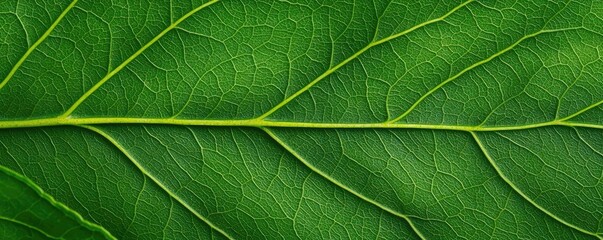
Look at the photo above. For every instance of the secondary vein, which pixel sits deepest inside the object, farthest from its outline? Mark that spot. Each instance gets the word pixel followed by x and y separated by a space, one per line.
pixel 29 226
pixel 521 193
pixel 75 215
pixel 36 44
pixel 354 56
pixel 146 173
pixel 339 184
pixel 131 58
pixel 477 64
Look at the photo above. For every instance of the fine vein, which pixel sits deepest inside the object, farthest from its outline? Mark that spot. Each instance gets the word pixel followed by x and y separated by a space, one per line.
pixel 339 184
pixel 36 44
pixel 521 193
pixel 354 56
pixel 131 58
pixel 146 173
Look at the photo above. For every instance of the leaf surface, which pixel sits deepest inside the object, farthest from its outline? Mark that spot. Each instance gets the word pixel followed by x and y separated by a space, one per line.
pixel 302 119
pixel 29 213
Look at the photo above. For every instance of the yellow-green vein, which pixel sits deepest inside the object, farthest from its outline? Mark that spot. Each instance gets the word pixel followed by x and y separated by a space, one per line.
pixel 354 56
pixel 521 193
pixel 36 44
pixel 263 123
pixel 155 180
pixel 589 107
pixel 75 215
pixel 339 184
pixel 131 58
pixel 477 64
pixel 29 226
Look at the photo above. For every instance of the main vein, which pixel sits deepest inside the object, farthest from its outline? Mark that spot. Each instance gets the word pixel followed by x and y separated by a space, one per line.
pixel 354 56
pixel 265 123
pixel 131 58
pixel 36 44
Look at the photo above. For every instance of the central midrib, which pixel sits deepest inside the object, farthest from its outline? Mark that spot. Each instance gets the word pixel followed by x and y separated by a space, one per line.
pixel 266 123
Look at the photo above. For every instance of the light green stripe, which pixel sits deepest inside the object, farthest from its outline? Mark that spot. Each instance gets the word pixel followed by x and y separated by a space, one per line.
pixel 523 195
pixel 155 180
pixel 55 203
pixel 264 123
pixel 354 56
pixel 131 58
pixel 36 44
pixel 341 185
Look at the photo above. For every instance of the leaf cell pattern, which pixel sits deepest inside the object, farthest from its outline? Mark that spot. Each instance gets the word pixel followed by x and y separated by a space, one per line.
pixel 301 119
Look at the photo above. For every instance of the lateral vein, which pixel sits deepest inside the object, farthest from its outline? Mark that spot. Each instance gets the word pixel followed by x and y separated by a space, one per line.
pixel 521 193
pixel 477 64
pixel 589 107
pixel 29 226
pixel 146 173
pixel 339 184
pixel 50 199
pixel 36 44
pixel 131 58
pixel 354 56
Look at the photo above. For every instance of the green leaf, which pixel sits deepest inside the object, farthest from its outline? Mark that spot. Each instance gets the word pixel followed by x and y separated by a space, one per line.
pixel 29 213
pixel 301 119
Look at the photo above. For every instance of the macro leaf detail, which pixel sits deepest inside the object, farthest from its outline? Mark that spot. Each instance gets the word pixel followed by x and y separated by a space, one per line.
pixel 301 119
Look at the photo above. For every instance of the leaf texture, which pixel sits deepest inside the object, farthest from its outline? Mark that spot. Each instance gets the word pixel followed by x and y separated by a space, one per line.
pixel 301 119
